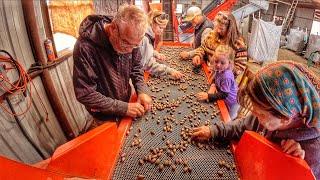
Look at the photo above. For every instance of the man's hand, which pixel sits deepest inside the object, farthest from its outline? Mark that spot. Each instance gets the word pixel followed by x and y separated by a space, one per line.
pixel 161 57
pixel 196 60
pixel 202 133
pixel 202 96
pixel 184 55
pixel 293 148
pixel 176 74
pixel 145 100
pixel 135 110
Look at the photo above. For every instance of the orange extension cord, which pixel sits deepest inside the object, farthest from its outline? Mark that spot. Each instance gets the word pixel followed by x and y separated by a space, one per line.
pixel 20 85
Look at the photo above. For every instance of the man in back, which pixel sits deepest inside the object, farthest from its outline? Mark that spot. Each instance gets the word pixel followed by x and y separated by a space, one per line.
pixel 202 27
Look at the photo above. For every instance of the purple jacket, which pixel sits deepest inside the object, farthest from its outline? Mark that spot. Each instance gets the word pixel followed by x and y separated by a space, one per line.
pixel 309 138
pixel 100 75
pixel 225 82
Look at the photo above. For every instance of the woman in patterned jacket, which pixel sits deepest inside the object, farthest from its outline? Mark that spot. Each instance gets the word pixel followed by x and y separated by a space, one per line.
pixel 225 32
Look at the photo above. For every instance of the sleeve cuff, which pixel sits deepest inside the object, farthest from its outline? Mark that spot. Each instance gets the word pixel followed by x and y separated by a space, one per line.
pixel 141 89
pixel 211 97
pixel 192 53
pixel 122 108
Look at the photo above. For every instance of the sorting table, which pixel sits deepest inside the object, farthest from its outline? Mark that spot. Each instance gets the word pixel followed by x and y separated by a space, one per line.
pixel 159 146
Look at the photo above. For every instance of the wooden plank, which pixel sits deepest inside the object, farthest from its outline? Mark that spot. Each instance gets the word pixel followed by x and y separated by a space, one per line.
pixel 58 88
pixel 84 113
pixel 8 38
pixel 65 73
pixel 15 140
pixel 52 122
pixel 22 35
pixel 4 41
pixel 34 122
pixel 41 28
pixel 12 30
pixel 67 85
pixel 11 17
pixel 6 150
pixel 87 115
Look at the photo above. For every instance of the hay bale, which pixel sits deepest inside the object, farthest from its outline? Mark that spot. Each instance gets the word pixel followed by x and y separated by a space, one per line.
pixel 66 16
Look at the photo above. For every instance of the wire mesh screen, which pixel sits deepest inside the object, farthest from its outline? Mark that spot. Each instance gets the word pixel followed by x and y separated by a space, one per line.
pixel 159 146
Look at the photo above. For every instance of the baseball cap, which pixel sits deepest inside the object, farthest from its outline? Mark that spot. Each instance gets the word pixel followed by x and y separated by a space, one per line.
pixel 192 12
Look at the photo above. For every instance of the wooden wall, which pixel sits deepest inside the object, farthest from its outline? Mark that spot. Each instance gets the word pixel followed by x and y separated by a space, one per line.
pixel 32 137
pixel 77 114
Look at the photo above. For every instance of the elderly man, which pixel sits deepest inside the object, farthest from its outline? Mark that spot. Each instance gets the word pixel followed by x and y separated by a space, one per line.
pixel 202 28
pixel 106 57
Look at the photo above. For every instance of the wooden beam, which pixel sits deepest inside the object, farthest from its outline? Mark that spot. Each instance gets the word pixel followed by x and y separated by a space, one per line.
pixel 35 41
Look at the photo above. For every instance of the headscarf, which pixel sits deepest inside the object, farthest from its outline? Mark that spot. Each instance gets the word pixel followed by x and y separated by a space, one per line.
pixel 291 89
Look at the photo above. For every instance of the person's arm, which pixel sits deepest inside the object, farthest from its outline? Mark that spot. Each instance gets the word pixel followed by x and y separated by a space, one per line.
pixel 156 68
pixel 85 86
pixel 192 53
pixel 200 52
pixel 234 129
pixel 206 44
pixel 137 74
pixel 137 77
pixel 223 90
pixel 241 57
pixel 217 96
pixel 204 34
pixel 149 62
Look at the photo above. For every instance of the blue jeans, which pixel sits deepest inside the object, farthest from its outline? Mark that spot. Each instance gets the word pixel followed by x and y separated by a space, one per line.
pixel 233 111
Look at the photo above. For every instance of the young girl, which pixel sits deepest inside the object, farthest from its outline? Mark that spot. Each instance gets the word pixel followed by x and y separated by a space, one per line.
pixel 224 80
pixel 158 22
pixel 285 98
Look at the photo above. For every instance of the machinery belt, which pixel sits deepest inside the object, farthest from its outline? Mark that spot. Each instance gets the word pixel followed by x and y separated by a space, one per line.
pixel 157 144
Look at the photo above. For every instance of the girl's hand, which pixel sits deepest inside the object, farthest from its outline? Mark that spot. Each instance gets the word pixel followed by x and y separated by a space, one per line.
pixel 202 96
pixel 293 148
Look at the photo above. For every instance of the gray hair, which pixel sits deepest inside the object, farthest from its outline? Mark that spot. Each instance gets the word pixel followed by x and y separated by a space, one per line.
pixel 132 16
